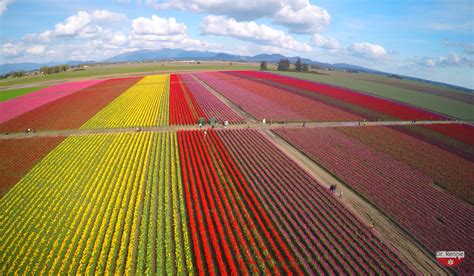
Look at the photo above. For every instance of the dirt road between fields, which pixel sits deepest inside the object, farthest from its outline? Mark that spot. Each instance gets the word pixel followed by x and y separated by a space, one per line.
pixel 252 125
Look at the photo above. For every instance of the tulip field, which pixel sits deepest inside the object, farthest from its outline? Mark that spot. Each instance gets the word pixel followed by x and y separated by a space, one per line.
pixel 180 203
pixel 115 204
pixel 263 101
pixel 456 175
pixel 435 218
pixel 313 222
pixel 71 111
pixel 115 176
pixel 17 106
pixel 144 104
pixel 20 155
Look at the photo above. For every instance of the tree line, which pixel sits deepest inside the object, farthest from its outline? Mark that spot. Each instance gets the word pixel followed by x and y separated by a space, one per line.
pixel 284 65
pixel 44 70
pixel 53 69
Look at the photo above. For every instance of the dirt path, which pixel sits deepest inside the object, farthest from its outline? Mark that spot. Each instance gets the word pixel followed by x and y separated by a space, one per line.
pixel 385 228
pixel 252 125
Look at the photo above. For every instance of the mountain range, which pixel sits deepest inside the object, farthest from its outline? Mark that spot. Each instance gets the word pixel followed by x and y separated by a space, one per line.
pixel 179 54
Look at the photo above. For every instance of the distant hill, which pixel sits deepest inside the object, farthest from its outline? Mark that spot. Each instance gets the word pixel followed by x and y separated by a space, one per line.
pixel 177 54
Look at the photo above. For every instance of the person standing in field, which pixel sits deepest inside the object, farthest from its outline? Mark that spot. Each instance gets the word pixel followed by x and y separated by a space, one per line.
pixel 341 193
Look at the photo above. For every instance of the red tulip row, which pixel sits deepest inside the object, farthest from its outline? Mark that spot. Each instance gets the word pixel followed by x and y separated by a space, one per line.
pixel 71 111
pixel 325 236
pixel 436 219
pixel 184 110
pixel 434 138
pixel 20 155
pixel 211 106
pixel 457 173
pixel 231 233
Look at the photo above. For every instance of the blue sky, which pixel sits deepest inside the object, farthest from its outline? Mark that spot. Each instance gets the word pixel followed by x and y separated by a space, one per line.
pixel 428 39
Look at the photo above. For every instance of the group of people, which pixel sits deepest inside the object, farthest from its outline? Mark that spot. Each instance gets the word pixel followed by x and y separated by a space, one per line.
pixel 333 187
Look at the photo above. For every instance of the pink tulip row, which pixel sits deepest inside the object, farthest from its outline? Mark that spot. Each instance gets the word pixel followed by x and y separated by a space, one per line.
pixel 324 235
pixel 17 106
pixel 210 104
pixel 436 219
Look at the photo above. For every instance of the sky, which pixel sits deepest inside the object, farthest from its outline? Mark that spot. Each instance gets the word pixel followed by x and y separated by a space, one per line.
pixel 428 39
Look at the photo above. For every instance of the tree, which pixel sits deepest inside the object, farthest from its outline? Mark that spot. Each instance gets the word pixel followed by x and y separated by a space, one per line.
pixel 284 65
pixel 298 65
pixel 305 67
pixel 263 65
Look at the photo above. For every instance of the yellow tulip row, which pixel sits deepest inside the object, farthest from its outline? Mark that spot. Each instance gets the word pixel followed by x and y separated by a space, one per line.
pixel 109 203
pixel 144 104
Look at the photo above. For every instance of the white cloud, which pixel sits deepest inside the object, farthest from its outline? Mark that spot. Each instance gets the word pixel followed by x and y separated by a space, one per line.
pixel 298 15
pixel 368 51
pixel 455 60
pixel 329 43
pixel 451 60
pixel 182 41
pixel 73 25
pixel 307 20
pixel 12 50
pixel 84 25
pixel 157 26
pixel 424 62
pixel 82 36
pixel 251 31
pixel 241 9
pixel 467 47
pixel 80 22
pixel 4 5
pixel 106 16
pixel 159 33
pixel 118 39
pixel 36 49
